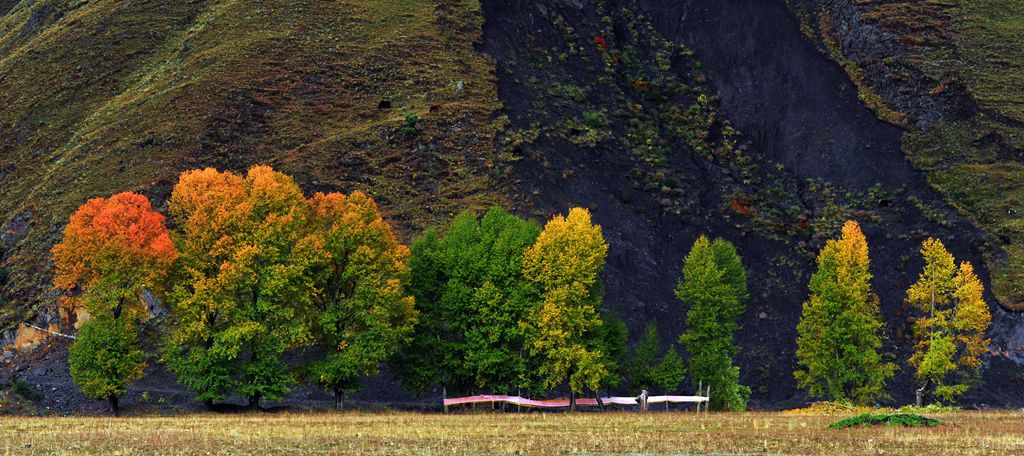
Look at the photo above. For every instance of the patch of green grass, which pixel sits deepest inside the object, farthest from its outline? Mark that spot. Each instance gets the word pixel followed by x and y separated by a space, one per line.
pixel 993 54
pixel 884 419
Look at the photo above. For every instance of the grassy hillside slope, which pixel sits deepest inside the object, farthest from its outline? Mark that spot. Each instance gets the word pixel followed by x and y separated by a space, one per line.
pixel 101 96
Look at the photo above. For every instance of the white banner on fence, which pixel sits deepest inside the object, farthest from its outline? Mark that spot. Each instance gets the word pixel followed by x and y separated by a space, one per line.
pixel 518 400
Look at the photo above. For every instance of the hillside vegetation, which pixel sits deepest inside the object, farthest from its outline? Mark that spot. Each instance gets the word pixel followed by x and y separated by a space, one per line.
pixel 953 73
pixel 386 96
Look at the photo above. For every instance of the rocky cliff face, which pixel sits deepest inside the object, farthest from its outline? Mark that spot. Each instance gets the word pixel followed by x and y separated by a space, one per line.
pixel 787 151
pixel 951 73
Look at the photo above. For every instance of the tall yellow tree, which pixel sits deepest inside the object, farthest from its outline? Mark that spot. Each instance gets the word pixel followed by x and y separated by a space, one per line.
pixel 565 267
pixel 839 337
pixel 950 330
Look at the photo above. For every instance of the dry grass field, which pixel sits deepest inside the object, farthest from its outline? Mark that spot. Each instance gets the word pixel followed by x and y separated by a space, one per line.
pixel 975 433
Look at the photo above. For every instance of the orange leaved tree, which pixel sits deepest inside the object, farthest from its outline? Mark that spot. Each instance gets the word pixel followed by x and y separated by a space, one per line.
pixel 114 249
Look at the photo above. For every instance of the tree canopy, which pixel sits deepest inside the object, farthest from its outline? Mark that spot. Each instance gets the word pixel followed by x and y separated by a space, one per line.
pixel 362 312
pixel 839 333
pixel 105 359
pixel 714 285
pixel 644 363
pixel 564 267
pixel 470 288
pixel 246 278
pixel 114 250
pixel 953 320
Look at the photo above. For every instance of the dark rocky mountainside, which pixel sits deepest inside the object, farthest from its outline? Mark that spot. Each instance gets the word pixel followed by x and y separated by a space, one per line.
pixel 766 122
pixel 951 74
pixel 787 152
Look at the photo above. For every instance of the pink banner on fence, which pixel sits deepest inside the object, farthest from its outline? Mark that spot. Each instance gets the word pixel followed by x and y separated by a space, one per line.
pixel 584 401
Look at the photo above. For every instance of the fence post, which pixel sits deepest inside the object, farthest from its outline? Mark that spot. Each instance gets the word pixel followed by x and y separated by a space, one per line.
pixel 444 397
pixel 700 389
pixel 706 406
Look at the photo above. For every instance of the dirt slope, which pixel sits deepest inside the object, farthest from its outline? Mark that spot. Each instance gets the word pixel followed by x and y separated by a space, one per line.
pixel 105 96
pixel 809 154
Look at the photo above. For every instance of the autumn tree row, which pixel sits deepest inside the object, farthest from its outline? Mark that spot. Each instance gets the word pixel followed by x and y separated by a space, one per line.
pixel 254 270
pixel 508 307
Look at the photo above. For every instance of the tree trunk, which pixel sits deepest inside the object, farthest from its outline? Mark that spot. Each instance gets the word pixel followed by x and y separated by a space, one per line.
pixel 572 400
pixel 114 406
pixel 339 403
pixel 600 403
pixel 920 392
pixel 209 404
pixel 254 402
pixel 919 395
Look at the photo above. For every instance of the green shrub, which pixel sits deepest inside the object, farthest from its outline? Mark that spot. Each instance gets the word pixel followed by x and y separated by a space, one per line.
pixel 885 419
pixel 596 119
pixel 412 121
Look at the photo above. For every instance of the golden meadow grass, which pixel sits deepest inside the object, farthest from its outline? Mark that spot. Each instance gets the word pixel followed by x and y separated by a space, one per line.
pixel 980 433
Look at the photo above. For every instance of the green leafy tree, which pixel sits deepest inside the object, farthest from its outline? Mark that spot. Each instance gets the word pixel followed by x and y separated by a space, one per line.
pixel 671 371
pixel 362 313
pixel 106 358
pixel 953 320
pixel 612 339
pixel 714 285
pixel 645 359
pixel 471 293
pixel 839 333
pixel 246 282
pixel 433 356
pixel 564 267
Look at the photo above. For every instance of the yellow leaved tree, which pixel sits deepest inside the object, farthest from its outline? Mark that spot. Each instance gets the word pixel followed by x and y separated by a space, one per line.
pixel 950 331
pixel 564 266
pixel 840 330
